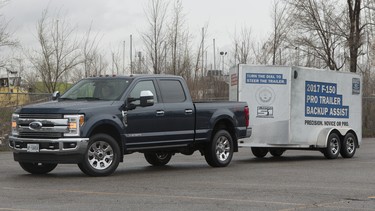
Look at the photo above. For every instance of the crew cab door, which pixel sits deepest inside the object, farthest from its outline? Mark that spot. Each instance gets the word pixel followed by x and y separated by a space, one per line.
pixel 179 113
pixel 143 124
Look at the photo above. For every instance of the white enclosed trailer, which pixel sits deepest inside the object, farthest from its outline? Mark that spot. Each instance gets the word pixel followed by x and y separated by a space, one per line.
pixel 299 108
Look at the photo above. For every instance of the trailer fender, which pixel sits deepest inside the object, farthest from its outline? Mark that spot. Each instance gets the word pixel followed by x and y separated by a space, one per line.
pixel 324 133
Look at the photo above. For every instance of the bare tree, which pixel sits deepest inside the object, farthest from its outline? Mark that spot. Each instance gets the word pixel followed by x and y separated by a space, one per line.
pixel 281 24
pixel 155 38
pixel 242 46
pixel 199 56
pixel 116 59
pixel 90 52
pixel 178 37
pixel 59 52
pixel 315 31
pixel 262 51
pixel 6 37
pixel 355 35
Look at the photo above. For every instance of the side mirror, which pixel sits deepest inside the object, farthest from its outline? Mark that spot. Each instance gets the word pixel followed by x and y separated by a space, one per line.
pixel 56 95
pixel 146 98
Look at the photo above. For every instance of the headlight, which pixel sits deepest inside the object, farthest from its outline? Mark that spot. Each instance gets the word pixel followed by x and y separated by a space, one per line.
pixel 15 118
pixel 75 123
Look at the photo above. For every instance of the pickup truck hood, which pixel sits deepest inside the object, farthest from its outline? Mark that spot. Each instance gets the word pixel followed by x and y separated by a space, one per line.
pixel 63 107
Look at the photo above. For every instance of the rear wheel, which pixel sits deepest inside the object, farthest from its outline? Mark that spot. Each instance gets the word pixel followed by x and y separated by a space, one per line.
pixel 102 156
pixel 158 158
pixel 277 152
pixel 332 150
pixel 38 168
pixel 349 146
pixel 219 152
pixel 259 152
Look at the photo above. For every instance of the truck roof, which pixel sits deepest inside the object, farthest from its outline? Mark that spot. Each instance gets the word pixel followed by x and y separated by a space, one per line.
pixel 137 76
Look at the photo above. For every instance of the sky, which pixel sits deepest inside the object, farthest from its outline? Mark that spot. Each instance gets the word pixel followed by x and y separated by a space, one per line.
pixel 116 20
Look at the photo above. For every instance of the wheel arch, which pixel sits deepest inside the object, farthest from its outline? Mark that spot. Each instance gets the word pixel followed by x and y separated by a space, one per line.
pixel 228 125
pixel 110 129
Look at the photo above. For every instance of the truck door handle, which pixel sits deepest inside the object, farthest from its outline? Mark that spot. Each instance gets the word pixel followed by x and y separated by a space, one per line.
pixel 160 113
pixel 188 111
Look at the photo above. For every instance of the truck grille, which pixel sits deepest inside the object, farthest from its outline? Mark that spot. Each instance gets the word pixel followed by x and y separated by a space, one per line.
pixel 41 116
pixel 47 126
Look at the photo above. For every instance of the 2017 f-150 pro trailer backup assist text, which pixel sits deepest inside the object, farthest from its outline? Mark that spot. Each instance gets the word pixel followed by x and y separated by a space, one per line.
pixel 300 108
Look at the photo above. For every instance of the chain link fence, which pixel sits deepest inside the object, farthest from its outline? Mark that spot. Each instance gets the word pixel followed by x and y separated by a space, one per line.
pixel 8 104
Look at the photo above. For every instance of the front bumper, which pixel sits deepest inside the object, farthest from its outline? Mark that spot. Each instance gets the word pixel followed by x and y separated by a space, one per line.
pixel 61 150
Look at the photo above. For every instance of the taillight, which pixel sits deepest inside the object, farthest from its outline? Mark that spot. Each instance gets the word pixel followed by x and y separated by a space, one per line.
pixel 247 115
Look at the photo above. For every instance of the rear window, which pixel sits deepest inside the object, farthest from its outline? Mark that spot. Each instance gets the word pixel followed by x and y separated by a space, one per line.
pixel 172 91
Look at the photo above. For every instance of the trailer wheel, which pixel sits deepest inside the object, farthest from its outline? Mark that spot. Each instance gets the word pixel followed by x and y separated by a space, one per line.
pixel 158 158
pixel 277 152
pixel 219 152
pixel 38 168
pixel 349 146
pixel 259 152
pixel 332 150
pixel 102 156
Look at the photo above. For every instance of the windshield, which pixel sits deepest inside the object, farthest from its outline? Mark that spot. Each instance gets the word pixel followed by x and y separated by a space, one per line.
pixel 97 89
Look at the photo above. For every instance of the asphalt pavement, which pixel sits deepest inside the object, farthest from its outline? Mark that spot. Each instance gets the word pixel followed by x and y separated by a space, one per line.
pixel 299 180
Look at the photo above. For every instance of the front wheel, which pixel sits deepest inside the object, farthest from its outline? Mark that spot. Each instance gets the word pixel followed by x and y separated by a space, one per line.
pixel 219 152
pixel 349 146
pixel 332 150
pixel 38 168
pixel 102 156
pixel 158 158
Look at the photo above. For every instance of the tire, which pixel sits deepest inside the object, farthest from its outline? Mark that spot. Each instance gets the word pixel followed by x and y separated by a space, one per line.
pixel 277 152
pixel 259 152
pixel 158 158
pixel 38 168
pixel 349 146
pixel 219 152
pixel 102 156
pixel 332 150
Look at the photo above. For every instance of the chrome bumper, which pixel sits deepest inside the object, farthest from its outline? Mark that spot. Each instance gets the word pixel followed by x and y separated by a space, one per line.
pixel 60 146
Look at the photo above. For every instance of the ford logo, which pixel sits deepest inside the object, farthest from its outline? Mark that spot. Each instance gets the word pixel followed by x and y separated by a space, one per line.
pixel 35 125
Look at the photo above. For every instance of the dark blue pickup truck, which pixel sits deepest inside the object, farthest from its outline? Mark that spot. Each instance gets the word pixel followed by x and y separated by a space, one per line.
pixel 100 119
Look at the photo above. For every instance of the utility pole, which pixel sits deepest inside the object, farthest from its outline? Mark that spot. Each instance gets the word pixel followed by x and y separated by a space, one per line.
pixel 202 50
pixel 131 55
pixel 123 58
pixel 214 55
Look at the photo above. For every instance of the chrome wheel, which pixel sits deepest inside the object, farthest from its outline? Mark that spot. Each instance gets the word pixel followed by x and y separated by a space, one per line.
pixel 349 145
pixel 162 156
pixel 219 152
pixel 223 148
pixel 158 158
pixel 100 155
pixel 334 145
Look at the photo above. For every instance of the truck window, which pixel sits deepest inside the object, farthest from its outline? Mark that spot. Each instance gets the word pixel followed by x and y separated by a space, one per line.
pixel 95 88
pixel 172 91
pixel 142 86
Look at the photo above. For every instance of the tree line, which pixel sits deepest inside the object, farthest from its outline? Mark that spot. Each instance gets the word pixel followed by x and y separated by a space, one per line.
pixel 328 34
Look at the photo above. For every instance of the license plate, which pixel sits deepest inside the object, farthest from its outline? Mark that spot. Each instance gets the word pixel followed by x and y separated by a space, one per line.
pixel 32 147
